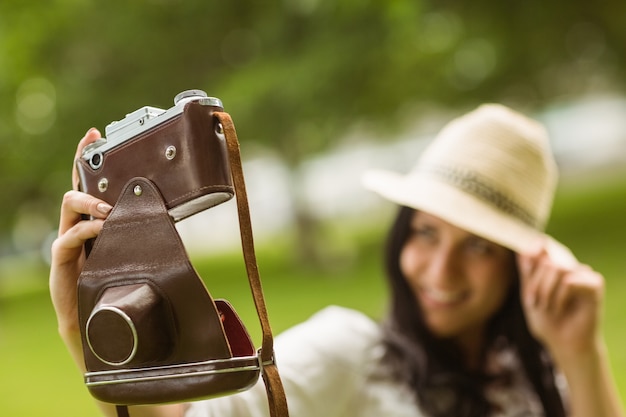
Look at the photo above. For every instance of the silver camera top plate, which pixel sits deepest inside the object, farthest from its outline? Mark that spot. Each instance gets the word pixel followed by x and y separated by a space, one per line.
pixel 139 121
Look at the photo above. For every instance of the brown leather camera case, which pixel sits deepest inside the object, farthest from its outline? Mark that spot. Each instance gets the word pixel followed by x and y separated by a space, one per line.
pixel 153 333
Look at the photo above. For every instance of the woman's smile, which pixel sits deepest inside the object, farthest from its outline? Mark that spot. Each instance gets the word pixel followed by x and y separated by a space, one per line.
pixel 437 298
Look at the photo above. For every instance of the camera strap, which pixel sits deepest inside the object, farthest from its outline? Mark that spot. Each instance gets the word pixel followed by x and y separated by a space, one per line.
pixel 269 371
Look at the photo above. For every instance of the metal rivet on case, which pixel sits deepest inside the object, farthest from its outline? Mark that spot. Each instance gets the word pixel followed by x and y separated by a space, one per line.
pixel 103 184
pixel 170 152
pixel 137 190
pixel 219 129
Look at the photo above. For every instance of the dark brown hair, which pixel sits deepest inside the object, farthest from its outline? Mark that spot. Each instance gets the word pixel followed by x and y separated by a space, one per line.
pixel 434 369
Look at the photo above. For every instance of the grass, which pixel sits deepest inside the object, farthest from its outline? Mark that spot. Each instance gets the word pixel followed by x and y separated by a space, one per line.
pixel 39 378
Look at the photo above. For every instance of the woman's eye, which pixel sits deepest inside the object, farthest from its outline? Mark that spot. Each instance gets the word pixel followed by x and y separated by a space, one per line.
pixel 479 246
pixel 424 233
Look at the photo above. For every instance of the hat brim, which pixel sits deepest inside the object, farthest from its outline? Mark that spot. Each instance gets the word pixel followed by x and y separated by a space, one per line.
pixel 426 193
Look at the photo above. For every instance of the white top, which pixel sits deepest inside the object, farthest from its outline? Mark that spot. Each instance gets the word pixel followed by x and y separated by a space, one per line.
pixel 326 365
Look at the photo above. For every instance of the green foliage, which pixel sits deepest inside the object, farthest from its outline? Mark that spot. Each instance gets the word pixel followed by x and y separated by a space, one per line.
pixel 294 74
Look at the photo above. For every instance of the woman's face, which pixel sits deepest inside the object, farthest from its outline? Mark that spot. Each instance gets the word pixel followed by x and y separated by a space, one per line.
pixel 459 279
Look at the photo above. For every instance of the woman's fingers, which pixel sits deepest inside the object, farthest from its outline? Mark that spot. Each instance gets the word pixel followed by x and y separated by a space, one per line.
pixel 562 298
pixel 75 228
pixel 562 301
pixel 542 272
pixel 77 204
pixel 551 288
pixel 528 264
pixel 76 237
pixel 548 283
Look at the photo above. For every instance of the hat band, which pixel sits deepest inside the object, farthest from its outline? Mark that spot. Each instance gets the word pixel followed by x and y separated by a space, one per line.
pixel 473 184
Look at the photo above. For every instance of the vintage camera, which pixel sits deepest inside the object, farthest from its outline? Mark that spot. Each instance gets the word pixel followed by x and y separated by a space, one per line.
pixel 182 150
pixel 150 330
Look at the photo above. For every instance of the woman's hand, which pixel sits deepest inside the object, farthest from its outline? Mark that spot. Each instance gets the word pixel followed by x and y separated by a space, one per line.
pixel 68 249
pixel 562 301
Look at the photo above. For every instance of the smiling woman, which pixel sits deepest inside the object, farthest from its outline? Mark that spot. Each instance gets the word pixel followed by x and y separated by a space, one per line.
pixel 466 249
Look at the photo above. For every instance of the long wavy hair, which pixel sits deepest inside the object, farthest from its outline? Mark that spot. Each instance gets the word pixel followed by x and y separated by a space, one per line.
pixel 434 369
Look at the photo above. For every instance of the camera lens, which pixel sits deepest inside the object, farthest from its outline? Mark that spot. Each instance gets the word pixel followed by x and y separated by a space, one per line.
pixel 96 160
pixel 112 335
pixel 130 323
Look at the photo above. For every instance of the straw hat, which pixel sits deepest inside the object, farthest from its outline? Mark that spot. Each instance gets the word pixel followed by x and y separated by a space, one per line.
pixel 490 172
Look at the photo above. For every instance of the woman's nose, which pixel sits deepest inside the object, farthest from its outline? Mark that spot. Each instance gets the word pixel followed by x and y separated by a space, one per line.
pixel 443 266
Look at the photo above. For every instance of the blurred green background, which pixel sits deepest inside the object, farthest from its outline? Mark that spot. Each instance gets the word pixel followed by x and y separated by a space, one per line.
pixel 319 90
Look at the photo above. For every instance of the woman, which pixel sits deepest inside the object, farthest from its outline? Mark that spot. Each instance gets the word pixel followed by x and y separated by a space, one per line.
pixel 488 316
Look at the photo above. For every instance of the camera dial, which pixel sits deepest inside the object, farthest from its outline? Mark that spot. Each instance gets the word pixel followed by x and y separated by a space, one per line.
pixel 196 95
pixel 189 95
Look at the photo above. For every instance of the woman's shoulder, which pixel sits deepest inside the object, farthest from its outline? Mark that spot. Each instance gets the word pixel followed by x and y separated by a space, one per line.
pixel 336 318
pixel 339 323
pixel 333 333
